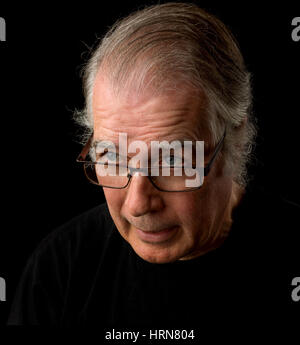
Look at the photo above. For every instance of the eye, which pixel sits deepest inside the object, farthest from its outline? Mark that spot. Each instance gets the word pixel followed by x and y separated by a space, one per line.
pixel 108 157
pixel 172 160
pixel 111 156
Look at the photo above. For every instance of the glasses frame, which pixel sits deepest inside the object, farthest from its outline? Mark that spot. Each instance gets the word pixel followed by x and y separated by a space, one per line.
pixel 82 156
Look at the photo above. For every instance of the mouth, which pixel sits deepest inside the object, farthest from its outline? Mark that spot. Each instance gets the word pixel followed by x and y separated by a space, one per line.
pixel 156 236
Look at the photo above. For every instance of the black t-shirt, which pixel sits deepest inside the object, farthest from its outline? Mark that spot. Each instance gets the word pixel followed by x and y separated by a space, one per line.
pixel 85 273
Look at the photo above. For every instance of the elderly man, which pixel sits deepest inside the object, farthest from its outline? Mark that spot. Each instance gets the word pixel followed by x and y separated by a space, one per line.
pixel 160 252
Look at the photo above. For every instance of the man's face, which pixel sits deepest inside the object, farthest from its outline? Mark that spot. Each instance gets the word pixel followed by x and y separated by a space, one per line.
pixel 188 222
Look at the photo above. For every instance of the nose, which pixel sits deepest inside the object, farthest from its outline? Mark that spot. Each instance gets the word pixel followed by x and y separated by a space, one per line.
pixel 142 197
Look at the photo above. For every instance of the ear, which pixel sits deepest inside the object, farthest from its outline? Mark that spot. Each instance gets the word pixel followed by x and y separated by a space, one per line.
pixel 242 124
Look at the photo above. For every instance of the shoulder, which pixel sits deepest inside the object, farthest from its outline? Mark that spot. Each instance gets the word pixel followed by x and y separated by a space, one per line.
pixel 78 239
pixel 70 253
pixel 95 222
pixel 263 201
pixel 271 218
pixel 276 207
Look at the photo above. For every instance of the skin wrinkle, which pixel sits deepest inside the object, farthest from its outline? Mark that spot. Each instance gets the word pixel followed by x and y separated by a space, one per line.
pixel 182 135
pixel 146 132
pixel 136 125
pixel 202 216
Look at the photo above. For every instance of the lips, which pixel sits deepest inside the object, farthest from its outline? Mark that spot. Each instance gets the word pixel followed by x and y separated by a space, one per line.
pixel 157 235
pixel 154 231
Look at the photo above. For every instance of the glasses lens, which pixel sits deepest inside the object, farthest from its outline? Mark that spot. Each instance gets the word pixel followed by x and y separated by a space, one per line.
pixel 106 175
pixel 170 179
pixel 188 179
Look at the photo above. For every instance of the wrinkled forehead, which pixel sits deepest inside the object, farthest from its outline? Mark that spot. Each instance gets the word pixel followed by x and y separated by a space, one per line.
pixel 172 115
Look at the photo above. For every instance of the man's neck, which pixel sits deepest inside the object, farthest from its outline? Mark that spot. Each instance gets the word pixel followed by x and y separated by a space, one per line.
pixel 236 196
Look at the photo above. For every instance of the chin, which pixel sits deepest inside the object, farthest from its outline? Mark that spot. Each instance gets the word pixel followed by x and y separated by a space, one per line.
pixel 156 253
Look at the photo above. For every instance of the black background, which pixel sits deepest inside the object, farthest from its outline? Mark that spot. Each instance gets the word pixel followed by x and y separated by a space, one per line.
pixel 41 184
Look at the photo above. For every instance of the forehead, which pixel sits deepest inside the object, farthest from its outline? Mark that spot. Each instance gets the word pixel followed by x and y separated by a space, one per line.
pixel 173 114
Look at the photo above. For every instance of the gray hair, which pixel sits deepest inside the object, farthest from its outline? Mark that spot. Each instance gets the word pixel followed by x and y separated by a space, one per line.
pixel 171 44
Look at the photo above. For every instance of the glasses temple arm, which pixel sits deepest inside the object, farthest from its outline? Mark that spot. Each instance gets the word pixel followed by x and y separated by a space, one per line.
pixel 85 149
pixel 217 149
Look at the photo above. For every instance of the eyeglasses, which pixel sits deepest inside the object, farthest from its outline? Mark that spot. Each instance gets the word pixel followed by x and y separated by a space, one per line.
pixel 118 176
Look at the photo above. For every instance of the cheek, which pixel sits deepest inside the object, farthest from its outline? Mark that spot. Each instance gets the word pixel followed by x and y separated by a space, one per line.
pixel 196 211
pixel 114 198
pixel 190 208
pixel 115 201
